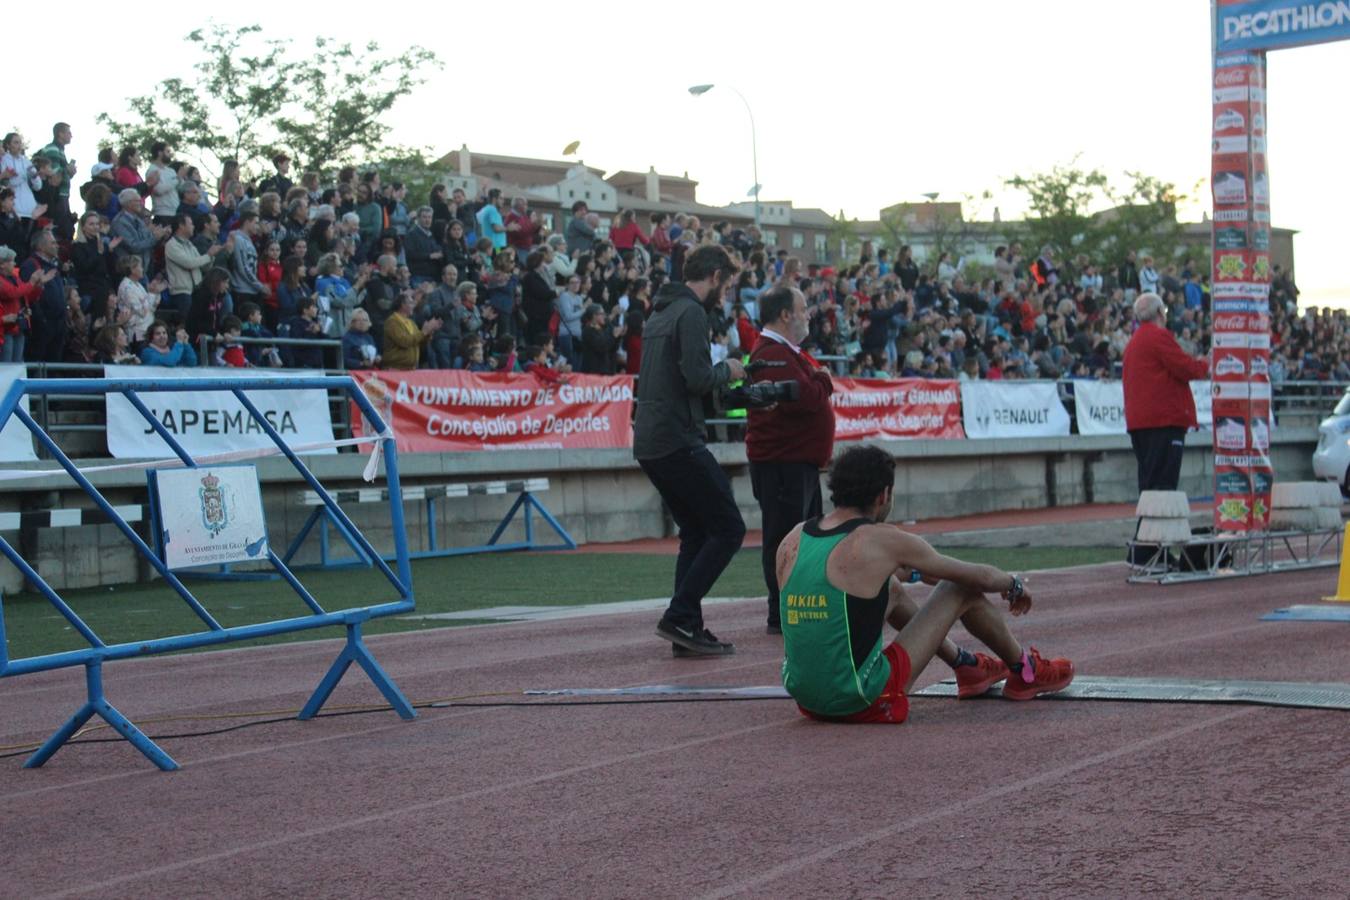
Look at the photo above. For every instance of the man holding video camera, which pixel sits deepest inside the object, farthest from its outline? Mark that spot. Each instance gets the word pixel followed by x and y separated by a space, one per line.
pixel 668 441
pixel 790 442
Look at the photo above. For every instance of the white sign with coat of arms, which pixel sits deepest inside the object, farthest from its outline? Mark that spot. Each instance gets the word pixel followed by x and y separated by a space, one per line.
pixel 209 516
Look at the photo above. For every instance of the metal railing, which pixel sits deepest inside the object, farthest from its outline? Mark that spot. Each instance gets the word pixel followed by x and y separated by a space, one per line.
pixel 205 341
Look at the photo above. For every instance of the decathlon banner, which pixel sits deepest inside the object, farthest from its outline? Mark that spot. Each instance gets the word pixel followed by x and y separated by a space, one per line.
pixel 16 441
pixel 440 410
pixel 906 408
pixel 1013 409
pixel 1269 24
pixel 211 422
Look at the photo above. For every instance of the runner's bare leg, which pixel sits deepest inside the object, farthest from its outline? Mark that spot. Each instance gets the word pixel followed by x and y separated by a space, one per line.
pixel 924 634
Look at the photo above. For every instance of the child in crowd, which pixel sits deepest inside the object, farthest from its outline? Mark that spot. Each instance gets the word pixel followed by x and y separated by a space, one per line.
pixel 230 352
pixel 471 355
pixel 504 354
pixel 252 326
pixel 537 363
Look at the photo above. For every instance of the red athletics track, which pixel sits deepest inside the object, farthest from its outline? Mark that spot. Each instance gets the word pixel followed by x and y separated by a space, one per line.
pixel 1067 799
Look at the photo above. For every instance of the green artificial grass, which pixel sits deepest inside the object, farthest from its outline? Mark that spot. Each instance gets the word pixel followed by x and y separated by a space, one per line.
pixel 126 613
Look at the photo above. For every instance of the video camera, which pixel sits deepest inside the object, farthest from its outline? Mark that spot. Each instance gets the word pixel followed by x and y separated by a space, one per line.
pixel 763 394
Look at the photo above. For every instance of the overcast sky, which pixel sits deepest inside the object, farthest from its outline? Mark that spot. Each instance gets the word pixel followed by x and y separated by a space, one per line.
pixel 857 105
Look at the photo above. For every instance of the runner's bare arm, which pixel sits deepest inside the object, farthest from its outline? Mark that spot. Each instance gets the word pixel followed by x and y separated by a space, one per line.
pixel 909 551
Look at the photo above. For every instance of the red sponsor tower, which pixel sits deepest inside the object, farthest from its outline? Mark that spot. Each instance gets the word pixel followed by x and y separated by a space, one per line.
pixel 1243 30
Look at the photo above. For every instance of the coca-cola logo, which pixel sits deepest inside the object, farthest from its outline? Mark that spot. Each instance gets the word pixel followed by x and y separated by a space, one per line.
pixel 1227 77
pixel 1238 322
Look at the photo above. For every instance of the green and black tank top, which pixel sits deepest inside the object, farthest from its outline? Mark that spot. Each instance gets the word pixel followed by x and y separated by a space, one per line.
pixel 832 659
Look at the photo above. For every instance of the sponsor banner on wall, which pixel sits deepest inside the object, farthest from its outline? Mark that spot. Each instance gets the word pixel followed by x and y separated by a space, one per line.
pixel 16 441
pixel 906 408
pixel 441 410
pixel 1013 409
pixel 1099 406
pixel 206 422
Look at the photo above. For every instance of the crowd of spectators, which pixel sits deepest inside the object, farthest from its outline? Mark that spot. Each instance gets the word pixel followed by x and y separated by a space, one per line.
pixel 158 258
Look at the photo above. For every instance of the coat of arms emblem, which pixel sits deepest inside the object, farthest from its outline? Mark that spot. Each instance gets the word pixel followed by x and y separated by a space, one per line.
pixel 214 515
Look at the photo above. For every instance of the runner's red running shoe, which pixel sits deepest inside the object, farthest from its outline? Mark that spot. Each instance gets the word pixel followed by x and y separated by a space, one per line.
pixel 1050 675
pixel 972 681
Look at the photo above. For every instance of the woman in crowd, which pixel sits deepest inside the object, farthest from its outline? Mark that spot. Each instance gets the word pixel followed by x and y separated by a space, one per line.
pixel 111 347
pixel 159 352
pixel 210 304
pixel 292 289
pixel 269 273
pixel 16 296
pixel 338 296
pixel 20 176
pixel 569 305
pixel 457 252
pixel 358 347
pixel 92 261
pixel 538 294
pixel 135 304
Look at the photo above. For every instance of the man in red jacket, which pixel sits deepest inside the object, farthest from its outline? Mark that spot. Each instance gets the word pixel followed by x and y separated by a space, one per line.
pixel 1159 407
pixel 789 443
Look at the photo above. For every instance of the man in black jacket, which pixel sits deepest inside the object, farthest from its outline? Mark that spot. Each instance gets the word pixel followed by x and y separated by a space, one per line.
pixel 47 343
pixel 598 343
pixel 676 374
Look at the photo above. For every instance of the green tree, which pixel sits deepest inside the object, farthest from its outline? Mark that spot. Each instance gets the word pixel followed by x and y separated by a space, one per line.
pixel 1061 203
pixel 1083 212
pixel 239 85
pixel 1144 219
pixel 843 239
pixel 339 96
pixel 951 232
pixel 410 166
pixel 249 96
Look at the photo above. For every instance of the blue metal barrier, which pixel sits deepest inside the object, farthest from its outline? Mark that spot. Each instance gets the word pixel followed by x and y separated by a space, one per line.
pixel 99 652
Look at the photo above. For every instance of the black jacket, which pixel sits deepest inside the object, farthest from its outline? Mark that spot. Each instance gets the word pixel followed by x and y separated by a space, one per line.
pixel 536 299
pixel 676 374
pixel 418 245
pixel 597 350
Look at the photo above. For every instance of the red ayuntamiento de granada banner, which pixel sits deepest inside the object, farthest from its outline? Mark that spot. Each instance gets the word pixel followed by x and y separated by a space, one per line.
pixel 903 408
pixel 440 410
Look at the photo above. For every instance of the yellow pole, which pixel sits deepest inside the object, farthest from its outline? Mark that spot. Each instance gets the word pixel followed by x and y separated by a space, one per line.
pixel 1343 580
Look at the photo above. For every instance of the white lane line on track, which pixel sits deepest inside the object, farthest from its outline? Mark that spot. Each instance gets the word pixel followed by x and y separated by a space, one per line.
pixel 358 821
pixel 964 806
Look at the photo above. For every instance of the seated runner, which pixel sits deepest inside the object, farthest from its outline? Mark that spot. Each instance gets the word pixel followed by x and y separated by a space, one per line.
pixel 842 578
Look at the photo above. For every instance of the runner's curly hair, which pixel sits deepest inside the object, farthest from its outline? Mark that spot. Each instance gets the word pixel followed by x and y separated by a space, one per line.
pixel 859 475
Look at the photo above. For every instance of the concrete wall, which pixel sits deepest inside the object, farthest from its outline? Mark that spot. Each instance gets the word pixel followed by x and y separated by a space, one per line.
pixel 602 495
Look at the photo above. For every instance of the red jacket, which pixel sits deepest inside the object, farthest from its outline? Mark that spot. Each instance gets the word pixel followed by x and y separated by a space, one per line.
pixel 632 348
pixel 747 334
pixel 626 236
pixel 523 238
pixel 798 432
pixel 16 295
pixel 1157 380
pixel 269 273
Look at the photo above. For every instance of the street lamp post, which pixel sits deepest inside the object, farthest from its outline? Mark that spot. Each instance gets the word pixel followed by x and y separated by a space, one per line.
pixel 700 89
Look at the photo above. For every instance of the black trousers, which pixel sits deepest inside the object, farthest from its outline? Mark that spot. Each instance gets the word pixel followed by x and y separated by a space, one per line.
pixel 1158 452
pixel 699 497
pixel 788 493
